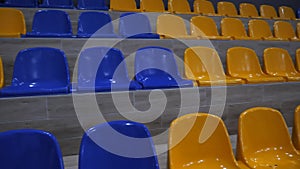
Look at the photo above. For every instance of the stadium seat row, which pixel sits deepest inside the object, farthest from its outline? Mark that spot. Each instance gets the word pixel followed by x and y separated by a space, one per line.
pixel 263 140
pixel 135 25
pixel 174 6
pixel 42 71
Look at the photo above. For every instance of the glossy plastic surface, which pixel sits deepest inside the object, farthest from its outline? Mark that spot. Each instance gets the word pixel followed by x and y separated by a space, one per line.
pixel 43 24
pixel 203 65
pixel 205 27
pixel 264 140
pixel 103 69
pixel 226 9
pixel 248 10
pixel 286 12
pixel 260 29
pixel 57 4
pixel 1 74
pixel 278 62
pixel 97 147
pixel 39 71
pixel 95 24
pixel 233 27
pixel 284 31
pixel 124 5
pixel 298 60
pixel 298 30
pixel 204 7
pixel 20 3
pixel 243 63
pixel 179 6
pixel 200 140
pixel 92 4
pixel 268 11
pixel 29 149
pixel 172 26
pixel 155 67
pixel 298 13
pixel 152 6
pixel 12 23
pixel 136 25
pixel 296 129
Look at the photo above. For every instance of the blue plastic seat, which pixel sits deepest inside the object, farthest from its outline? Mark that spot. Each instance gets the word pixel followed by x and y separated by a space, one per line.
pixel 135 25
pixel 103 69
pixel 51 23
pixel 39 71
pixel 92 4
pixel 155 67
pixel 57 4
pixel 298 13
pixel 117 144
pixel 20 3
pixel 95 24
pixel 29 149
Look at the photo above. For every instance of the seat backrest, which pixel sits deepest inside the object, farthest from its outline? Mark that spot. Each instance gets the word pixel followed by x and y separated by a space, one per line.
pixel 21 3
pixel 123 5
pixel 262 128
pixel 153 60
pixel 200 137
pixel 92 4
pixel 203 26
pixel 278 62
pixel 101 64
pixel 2 81
pixel 284 30
pixel 298 30
pixel 171 25
pixel 32 149
pixel 179 6
pixel 286 12
pixel 134 23
pixel 296 128
pixel 298 60
pixel 94 22
pixel 226 8
pixel 242 62
pixel 204 7
pixel 43 22
pixel 152 6
pixel 233 27
pixel 202 62
pixel 55 3
pixel 117 144
pixel 41 65
pixel 12 22
pixel 259 29
pixel 248 10
pixel 268 11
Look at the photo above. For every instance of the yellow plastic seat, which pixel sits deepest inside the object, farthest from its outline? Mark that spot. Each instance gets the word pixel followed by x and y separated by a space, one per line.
pixel 205 27
pixel 268 11
pixel 200 140
pixel 260 29
pixel 227 9
pixel 172 26
pixel 248 10
pixel 124 5
pixel 284 31
pixel 296 129
pixel 298 60
pixel 278 62
pixel 264 141
pixel 286 12
pixel 204 7
pixel 12 23
pixel 1 74
pixel 152 6
pixel 298 30
pixel 202 64
pixel 179 7
pixel 243 63
pixel 234 28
